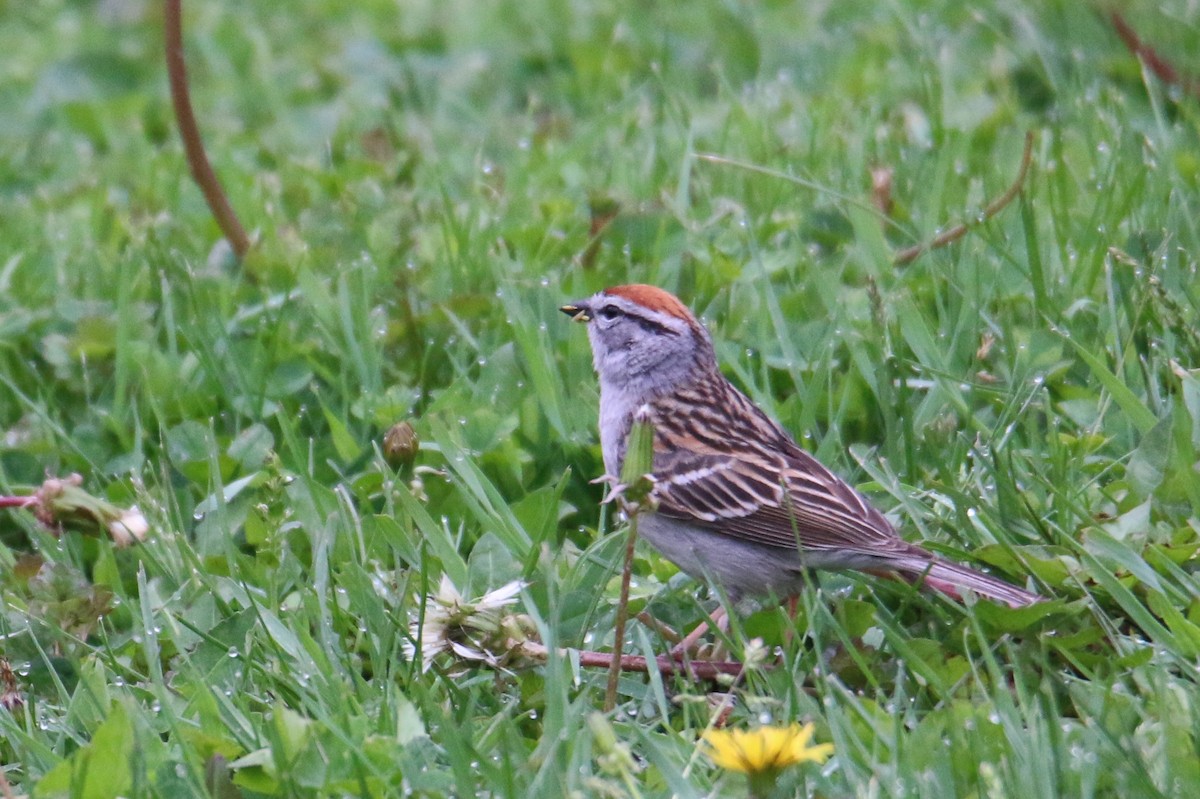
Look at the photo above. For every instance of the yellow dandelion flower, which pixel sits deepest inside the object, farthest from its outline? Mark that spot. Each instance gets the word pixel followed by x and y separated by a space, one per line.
pixel 765 749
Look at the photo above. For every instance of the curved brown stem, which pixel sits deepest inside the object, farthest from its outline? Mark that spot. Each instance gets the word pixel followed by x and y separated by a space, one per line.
pixel 189 131
pixel 910 254
pixel 1162 68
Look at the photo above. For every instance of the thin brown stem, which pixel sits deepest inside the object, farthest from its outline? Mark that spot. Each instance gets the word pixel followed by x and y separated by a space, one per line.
pixel 189 132
pixel 910 254
pixel 1160 66
pixel 17 502
pixel 614 670
pixel 697 669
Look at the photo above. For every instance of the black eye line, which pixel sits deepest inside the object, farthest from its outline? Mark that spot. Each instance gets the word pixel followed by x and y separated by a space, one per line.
pixel 651 326
pixel 610 311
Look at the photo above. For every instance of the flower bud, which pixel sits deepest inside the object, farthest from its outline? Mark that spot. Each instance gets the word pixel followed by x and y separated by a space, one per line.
pixel 400 444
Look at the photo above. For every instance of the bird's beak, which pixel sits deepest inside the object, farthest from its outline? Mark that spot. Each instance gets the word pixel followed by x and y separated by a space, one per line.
pixel 577 311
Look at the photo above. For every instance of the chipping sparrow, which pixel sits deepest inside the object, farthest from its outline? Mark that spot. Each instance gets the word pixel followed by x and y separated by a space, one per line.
pixel 734 493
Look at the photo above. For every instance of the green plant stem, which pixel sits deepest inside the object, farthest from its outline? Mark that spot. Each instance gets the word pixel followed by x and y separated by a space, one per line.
pixel 762 783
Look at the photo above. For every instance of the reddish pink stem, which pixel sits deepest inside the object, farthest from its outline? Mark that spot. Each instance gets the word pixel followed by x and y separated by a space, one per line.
pixel 698 669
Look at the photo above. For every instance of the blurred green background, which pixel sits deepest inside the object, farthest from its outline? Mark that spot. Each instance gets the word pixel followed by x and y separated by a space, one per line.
pixel 427 183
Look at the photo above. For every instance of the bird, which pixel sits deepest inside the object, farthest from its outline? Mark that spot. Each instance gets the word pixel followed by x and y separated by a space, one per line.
pixel 735 499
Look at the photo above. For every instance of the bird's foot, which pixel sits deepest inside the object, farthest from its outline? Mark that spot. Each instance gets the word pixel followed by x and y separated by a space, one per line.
pixel 616 489
pixel 630 497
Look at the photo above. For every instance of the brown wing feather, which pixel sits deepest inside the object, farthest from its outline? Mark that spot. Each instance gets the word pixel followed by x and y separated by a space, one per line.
pixel 752 481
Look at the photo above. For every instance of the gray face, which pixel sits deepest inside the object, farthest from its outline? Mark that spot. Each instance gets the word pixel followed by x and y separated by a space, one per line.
pixel 639 349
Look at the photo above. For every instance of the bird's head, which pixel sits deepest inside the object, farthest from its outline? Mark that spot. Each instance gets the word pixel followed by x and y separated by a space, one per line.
pixel 643 338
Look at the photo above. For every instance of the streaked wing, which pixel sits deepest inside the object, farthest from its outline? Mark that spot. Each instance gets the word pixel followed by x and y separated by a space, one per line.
pixel 752 481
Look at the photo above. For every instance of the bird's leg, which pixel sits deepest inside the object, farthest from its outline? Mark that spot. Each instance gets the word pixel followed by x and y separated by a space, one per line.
pixel 793 605
pixel 718 619
pixel 662 629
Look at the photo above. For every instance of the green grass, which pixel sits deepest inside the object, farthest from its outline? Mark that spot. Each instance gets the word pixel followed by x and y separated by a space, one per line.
pixel 420 179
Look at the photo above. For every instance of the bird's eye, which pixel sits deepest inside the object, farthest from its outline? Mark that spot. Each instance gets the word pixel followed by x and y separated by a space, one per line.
pixel 609 312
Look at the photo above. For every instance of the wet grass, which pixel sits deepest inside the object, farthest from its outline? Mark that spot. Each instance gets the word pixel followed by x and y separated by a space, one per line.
pixel 423 182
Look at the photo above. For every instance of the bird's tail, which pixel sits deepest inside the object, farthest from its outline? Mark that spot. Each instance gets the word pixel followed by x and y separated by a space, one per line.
pixel 951 578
